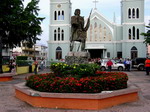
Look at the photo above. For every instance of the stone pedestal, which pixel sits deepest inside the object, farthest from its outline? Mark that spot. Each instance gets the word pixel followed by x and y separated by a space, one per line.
pixel 77 58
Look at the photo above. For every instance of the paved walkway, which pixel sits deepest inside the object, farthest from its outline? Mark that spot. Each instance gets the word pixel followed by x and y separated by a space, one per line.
pixel 9 103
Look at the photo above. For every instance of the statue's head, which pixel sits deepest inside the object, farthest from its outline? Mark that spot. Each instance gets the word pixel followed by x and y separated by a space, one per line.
pixel 77 12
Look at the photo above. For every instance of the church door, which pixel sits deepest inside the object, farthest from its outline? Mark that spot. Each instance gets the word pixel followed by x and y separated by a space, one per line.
pixel 58 53
pixel 95 53
pixel 134 52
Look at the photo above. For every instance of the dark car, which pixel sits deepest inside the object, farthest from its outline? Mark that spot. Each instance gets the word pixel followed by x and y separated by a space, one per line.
pixel 139 63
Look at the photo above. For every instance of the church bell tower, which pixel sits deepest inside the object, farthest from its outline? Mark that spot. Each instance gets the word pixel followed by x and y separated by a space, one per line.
pixel 132 20
pixel 59 29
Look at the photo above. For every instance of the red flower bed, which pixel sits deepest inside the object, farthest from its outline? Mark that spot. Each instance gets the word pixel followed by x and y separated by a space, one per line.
pixel 102 81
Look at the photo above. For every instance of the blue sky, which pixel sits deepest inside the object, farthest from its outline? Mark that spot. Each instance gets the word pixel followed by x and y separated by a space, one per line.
pixel 106 7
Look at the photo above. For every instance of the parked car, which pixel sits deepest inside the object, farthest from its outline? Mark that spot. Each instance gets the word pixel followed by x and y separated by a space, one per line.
pixel 139 63
pixel 116 65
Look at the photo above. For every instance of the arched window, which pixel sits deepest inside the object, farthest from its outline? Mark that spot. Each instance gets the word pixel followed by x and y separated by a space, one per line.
pixel 62 35
pixel 129 13
pixel 58 53
pixel 91 28
pixel 55 35
pixel 100 32
pixel 62 15
pixel 55 15
pixel 137 34
pixel 137 13
pixel 133 13
pixel 133 32
pixel 109 36
pixel 95 31
pixel 95 25
pixel 58 34
pixel 104 33
pixel 59 16
pixel 129 34
pixel 134 52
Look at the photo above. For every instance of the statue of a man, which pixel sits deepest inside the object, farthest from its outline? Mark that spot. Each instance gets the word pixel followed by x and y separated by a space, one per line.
pixel 78 31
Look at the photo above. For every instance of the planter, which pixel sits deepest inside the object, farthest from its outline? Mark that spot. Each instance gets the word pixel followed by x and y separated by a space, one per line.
pixel 6 77
pixel 5 68
pixel 76 100
pixel 22 69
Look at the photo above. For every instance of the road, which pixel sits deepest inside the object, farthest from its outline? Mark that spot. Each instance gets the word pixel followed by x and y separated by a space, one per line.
pixel 9 103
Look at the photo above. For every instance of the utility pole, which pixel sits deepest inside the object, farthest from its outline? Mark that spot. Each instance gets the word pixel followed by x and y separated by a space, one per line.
pixel 1 70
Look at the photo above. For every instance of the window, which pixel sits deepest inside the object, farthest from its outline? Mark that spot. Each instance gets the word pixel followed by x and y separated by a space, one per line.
pixel 104 31
pixel 100 32
pixel 133 13
pixel 62 35
pixel 133 32
pixel 62 15
pixel 105 37
pixel 91 28
pixel 58 34
pixel 137 13
pixel 59 16
pixel 108 54
pixel 119 55
pixel 137 34
pixel 55 15
pixel 129 33
pixel 55 36
pixel 129 13
pixel 95 31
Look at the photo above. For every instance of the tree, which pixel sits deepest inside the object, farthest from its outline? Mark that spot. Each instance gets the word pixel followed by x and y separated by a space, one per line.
pixel 18 24
pixel 147 35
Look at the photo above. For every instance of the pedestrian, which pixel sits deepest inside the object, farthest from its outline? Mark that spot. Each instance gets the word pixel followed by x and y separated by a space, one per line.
pixel 147 65
pixel 125 64
pixel 109 65
pixel 42 64
pixel 128 64
pixel 13 67
pixel 10 65
pixel 36 66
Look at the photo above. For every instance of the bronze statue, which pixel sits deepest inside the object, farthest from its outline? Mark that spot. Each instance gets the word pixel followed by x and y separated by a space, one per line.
pixel 78 31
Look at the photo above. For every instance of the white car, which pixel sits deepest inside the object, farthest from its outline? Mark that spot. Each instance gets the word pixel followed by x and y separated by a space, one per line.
pixel 115 66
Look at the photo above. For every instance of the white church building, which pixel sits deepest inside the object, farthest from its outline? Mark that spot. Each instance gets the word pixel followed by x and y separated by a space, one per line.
pixel 105 39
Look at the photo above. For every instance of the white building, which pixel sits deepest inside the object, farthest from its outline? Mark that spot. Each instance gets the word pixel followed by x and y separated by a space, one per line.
pixel 104 38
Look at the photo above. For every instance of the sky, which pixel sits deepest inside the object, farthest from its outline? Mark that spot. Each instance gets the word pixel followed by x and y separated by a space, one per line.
pixel 106 7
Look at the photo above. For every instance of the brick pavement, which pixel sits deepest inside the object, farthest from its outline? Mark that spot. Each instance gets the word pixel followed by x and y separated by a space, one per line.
pixel 9 103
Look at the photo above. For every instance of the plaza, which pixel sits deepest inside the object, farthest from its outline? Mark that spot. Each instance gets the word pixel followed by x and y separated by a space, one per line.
pixel 9 103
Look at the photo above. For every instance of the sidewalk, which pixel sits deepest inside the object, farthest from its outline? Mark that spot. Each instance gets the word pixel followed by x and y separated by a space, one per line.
pixel 9 103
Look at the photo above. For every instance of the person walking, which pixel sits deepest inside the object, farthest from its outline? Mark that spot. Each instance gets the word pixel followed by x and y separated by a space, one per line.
pixel 11 65
pixel 42 64
pixel 125 64
pixel 109 65
pixel 14 67
pixel 36 66
pixel 128 64
pixel 147 65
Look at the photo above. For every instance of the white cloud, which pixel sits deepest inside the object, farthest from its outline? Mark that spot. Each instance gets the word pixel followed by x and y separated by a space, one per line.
pixel 147 20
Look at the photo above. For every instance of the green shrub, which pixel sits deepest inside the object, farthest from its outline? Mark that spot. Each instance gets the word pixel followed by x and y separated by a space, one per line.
pixel 23 63
pixel 22 57
pixel 81 70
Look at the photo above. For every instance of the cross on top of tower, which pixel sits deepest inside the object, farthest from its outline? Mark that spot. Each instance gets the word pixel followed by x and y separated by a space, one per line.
pixel 95 2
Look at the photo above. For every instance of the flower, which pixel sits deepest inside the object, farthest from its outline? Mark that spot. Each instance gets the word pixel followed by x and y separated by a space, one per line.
pixel 91 84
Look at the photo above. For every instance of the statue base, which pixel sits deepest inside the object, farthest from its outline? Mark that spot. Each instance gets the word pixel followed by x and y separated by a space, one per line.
pixel 77 58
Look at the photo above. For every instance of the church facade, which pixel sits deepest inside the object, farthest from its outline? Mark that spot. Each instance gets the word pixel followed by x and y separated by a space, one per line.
pixel 105 39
